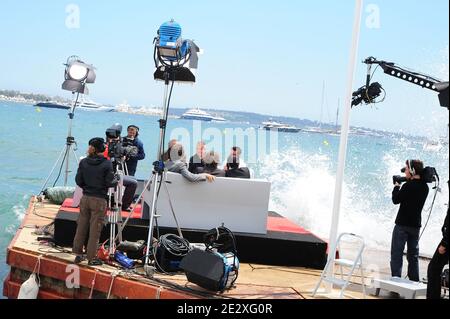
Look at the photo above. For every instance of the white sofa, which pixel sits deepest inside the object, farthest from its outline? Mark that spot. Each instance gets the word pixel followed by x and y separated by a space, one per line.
pixel 240 204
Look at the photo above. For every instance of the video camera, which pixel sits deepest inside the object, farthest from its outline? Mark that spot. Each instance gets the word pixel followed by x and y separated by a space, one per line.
pixel 366 94
pixel 118 147
pixel 428 175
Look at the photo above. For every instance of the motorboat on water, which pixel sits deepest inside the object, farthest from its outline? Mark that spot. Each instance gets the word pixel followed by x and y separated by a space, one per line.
pixel 54 105
pixel 316 130
pixel 219 119
pixel 90 105
pixel 281 127
pixel 197 114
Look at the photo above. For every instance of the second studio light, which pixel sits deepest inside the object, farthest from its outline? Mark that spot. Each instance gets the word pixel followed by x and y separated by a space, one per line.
pixel 77 74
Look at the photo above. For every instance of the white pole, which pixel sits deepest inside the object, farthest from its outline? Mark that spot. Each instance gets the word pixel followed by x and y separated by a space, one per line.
pixel 344 137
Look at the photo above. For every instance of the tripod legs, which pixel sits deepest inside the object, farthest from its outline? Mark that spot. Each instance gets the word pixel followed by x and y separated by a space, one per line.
pixel 115 216
pixel 152 215
pixel 65 153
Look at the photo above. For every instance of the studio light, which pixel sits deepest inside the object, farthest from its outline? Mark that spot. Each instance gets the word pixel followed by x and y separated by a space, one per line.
pixel 77 74
pixel 174 53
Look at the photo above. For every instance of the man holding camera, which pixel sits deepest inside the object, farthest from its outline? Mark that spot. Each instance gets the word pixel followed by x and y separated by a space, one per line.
pixel 117 153
pixel 132 140
pixel 95 175
pixel 411 197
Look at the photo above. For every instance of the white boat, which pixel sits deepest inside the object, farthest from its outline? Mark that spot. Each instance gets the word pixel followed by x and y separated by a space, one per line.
pixel 219 119
pixel 319 129
pixel 90 105
pixel 197 114
pixel 281 127
pixel 54 105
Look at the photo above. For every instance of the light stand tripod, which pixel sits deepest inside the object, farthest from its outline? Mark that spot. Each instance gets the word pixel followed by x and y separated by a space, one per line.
pixel 171 54
pixel 66 151
pixel 158 166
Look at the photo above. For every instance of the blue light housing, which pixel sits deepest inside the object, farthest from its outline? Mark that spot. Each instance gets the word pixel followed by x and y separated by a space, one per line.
pixel 173 53
pixel 170 44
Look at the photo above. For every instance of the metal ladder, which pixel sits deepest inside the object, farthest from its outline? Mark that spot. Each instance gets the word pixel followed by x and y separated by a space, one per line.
pixel 344 280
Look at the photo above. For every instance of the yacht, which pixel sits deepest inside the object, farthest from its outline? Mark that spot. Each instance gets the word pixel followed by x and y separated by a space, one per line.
pixel 281 127
pixel 317 129
pixel 54 105
pixel 197 114
pixel 93 106
pixel 219 119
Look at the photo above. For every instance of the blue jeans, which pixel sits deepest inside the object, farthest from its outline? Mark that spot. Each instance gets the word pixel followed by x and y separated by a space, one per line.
pixel 405 235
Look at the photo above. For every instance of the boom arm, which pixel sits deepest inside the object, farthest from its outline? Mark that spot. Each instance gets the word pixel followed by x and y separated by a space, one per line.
pixel 371 91
pixel 391 69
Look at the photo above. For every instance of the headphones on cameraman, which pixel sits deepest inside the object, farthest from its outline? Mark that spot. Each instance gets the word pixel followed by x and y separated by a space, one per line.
pixel 135 127
pixel 409 163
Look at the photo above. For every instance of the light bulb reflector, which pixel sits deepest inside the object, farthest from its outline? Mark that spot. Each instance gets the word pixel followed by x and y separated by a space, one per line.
pixel 78 72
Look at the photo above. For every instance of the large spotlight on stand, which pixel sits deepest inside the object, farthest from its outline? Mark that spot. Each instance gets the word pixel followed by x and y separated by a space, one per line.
pixel 175 59
pixel 173 53
pixel 76 75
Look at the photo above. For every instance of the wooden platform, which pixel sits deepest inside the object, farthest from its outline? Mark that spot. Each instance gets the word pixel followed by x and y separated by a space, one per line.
pixel 56 270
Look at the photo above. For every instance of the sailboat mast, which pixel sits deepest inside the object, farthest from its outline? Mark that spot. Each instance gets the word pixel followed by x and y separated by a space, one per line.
pixel 321 105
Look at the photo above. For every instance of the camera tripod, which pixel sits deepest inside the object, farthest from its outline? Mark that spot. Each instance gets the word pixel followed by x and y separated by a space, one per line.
pixel 115 216
pixel 67 150
pixel 157 179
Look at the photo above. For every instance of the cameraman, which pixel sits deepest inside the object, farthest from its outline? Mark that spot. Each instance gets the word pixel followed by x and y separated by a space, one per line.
pixel 113 145
pixel 411 197
pixel 95 175
pixel 132 140
pixel 437 263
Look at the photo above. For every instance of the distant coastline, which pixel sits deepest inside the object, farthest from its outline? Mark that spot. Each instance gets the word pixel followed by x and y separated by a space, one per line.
pixel 248 118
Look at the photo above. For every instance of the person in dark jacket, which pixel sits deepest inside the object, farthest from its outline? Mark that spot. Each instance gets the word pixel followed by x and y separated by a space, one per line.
pixel 234 170
pixel 212 160
pixel 437 263
pixel 95 175
pixel 197 160
pixel 133 140
pixel 411 197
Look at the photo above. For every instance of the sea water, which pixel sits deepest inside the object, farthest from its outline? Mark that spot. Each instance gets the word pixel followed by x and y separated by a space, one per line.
pixel 300 166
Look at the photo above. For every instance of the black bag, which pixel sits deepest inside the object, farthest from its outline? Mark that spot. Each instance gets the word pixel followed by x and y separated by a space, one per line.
pixel 134 250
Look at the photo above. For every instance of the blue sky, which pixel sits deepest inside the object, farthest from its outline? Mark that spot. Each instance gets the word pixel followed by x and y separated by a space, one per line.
pixel 269 57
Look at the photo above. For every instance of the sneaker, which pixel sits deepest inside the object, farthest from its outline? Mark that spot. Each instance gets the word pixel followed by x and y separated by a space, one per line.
pixel 79 259
pixel 95 262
